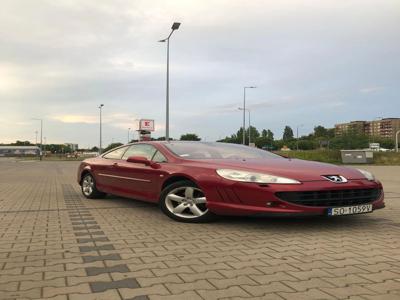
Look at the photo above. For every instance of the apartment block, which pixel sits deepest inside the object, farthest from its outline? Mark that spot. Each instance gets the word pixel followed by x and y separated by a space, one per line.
pixel 385 128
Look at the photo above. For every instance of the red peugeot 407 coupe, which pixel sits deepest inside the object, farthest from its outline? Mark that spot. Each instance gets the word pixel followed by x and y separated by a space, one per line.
pixel 195 181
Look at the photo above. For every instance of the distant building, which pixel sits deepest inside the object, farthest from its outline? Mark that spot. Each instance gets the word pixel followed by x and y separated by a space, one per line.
pixel 351 127
pixel 15 151
pixel 385 128
pixel 73 147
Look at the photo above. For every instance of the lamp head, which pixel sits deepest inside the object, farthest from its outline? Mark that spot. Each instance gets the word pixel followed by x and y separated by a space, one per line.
pixel 175 26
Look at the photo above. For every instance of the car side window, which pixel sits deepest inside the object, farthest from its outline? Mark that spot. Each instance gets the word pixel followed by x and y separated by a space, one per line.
pixel 159 157
pixel 116 154
pixel 144 150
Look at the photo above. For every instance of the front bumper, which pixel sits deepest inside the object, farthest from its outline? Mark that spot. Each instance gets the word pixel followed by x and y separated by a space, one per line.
pixel 241 199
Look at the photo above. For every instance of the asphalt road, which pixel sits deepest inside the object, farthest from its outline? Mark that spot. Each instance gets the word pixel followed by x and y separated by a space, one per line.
pixel 54 244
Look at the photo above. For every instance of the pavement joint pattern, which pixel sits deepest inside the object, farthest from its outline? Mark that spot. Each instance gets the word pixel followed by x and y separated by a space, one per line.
pixel 41 257
pixel 73 201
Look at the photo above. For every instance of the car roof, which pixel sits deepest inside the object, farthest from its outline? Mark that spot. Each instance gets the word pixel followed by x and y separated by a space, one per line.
pixel 168 142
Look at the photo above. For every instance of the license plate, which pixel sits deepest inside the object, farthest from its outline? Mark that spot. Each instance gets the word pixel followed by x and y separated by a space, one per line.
pixel 350 210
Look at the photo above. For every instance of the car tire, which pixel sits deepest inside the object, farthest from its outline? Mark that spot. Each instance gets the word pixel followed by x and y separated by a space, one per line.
pixel 184 201
pixel 89 189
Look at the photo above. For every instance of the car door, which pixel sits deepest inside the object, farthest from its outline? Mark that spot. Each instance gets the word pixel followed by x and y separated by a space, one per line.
pixel 138 180
pixel 105 173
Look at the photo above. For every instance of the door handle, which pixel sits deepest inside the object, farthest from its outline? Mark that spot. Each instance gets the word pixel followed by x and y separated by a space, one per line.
pixel 115 164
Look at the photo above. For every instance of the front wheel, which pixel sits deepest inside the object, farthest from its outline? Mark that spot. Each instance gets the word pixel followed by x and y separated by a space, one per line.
pixel 183 201
pixel 89 189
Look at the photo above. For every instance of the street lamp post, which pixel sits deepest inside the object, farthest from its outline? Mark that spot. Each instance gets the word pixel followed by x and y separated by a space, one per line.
pixel 397 140
pixel 129 129
pixel 244 111
pixel 174 27
pixel 248 110
pixel 41 136
pixel 297 136
pixel 100 144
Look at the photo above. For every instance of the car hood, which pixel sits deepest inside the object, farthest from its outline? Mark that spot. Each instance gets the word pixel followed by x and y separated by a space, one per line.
pixel 301 170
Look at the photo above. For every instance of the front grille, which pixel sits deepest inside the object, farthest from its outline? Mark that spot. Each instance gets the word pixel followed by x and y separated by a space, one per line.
pixel 331 198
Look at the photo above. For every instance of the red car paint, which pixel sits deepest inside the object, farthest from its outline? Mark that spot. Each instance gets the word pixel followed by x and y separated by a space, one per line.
pixel 225 197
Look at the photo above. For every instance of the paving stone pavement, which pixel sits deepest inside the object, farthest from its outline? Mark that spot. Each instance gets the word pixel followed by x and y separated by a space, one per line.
pixel 55 244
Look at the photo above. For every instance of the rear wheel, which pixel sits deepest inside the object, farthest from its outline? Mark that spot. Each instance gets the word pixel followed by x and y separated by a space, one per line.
pixel 89 189
pixel 185 202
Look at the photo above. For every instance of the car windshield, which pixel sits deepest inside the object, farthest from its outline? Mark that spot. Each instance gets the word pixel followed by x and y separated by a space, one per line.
pixel 202 150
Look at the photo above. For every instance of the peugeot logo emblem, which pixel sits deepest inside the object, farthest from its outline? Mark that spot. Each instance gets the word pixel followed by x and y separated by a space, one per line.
pixel 335 178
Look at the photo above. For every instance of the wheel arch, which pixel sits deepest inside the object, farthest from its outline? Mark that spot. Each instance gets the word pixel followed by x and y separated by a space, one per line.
pixel 83 173
pixel 176 178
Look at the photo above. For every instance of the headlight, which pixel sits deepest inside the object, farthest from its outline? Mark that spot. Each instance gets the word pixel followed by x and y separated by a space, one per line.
pixel 245 176
pixel 367 175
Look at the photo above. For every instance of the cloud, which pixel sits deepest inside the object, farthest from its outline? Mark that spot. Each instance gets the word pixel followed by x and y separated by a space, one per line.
pixel 118 120
pixel 335 104
pixel 85 119
pixel 371 89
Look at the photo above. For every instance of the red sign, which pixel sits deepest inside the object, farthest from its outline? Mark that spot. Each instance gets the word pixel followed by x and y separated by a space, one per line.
pixel 146 124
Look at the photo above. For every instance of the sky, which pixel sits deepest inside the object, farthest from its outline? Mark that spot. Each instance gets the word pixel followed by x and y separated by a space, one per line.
pixel 313 62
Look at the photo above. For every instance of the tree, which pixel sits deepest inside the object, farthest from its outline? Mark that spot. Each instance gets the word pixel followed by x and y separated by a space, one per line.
pixel 22 143
pixel 94 149
pixel 331 132
pixel 190 137
pixel 349 140
pixel 385 143
pixel 112 146
pixel 320 131
pixel 264 133
pixel 306 145
pixel 265 140
pixel 58 148
pixel 270 135
pixel 161 138
pixel 254 134
pixel 287 133
pixel 233 139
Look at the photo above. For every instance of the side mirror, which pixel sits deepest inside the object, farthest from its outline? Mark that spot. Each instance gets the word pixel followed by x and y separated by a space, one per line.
pixel 139 160
pixel 143 160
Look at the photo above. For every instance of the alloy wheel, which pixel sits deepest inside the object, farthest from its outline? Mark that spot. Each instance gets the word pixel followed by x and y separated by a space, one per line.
pixel 186 202
pixel 88 185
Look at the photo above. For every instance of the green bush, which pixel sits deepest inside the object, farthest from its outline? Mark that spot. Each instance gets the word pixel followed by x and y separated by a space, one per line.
pixel 387 158
pixel 329 156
